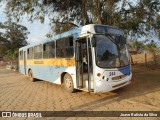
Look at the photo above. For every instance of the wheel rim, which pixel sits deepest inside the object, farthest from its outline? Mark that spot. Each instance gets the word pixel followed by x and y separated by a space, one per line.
pixel 68 83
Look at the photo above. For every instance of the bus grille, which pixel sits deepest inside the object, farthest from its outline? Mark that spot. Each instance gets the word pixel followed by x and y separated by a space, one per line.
pixel 119 77
pixel 119 84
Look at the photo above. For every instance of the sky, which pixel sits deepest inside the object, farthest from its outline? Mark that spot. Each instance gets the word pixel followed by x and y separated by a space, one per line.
pixel 37 30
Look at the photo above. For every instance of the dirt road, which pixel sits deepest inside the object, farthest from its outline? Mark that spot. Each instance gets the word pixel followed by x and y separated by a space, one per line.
pixel 18 93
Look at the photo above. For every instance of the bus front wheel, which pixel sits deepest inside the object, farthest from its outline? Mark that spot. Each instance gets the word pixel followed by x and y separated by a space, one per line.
pixel 31 76
pixel 68 83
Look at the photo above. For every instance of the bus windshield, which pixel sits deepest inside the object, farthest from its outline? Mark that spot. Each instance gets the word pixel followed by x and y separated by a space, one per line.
pixel 110 54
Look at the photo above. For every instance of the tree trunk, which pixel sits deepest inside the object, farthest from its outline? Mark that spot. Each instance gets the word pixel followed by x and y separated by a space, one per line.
pixel 97 12
pixel 155 59
pixel 146 59
pixel 132 62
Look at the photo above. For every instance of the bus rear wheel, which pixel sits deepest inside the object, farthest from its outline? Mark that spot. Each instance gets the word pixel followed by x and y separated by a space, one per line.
pixel 31 76
pixel 68 83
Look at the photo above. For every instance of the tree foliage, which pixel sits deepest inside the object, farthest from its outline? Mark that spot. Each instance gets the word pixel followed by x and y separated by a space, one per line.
pixel 64 15
pixel 13 37
pixel 153 49
pixel 138 45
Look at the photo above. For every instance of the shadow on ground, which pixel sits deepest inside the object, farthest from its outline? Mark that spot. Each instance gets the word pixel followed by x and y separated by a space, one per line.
pixel 144 81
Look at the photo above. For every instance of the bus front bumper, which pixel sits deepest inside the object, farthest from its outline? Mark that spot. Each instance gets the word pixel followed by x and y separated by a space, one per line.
pixel 106 86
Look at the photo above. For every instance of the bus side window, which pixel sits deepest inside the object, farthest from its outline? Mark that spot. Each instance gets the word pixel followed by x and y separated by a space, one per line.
pixel 70 41
pixel 59 47
pixel 49 50
pixel 30 53
pixel 69 48
pixel 64 48
pixel 21 55
pixel 52 49
pixel 44 47
pixel 38 52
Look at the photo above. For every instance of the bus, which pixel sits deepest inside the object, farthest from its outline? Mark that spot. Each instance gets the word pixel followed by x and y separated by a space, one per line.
pixel 92 58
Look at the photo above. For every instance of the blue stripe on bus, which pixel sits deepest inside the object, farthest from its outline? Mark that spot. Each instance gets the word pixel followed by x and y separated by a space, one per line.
pixel 125 70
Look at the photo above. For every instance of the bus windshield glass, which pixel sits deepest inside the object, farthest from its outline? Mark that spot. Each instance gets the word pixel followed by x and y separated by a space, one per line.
pixel 107 29
pixel 110 54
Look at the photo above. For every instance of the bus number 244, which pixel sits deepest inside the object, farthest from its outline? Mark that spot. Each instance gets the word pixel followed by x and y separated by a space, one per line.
pixel 112 73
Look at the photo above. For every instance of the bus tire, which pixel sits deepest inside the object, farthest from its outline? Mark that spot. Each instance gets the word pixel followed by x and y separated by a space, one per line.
pixel 68 83
pixel 30 73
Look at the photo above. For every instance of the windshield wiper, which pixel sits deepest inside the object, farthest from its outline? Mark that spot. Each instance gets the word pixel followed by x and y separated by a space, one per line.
pixel 110 37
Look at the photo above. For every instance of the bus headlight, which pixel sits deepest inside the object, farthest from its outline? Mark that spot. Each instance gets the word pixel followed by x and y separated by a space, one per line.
pixel 99 74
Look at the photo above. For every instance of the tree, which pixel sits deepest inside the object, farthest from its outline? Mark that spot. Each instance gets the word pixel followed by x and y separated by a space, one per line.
pixel 11 56
pixel 64 15
pixel 12 39
pixel 138 45
pixel 158 25
pixel 153 49
pixel 141 17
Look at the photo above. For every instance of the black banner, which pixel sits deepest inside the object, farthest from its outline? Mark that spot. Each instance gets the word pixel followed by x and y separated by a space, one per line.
pixel 38 114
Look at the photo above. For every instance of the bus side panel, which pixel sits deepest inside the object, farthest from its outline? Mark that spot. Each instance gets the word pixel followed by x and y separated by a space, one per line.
pixel 21 67
pixel 51 73
pixel 46 73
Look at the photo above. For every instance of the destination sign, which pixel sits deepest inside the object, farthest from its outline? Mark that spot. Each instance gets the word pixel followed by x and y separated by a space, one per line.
pixel 107 29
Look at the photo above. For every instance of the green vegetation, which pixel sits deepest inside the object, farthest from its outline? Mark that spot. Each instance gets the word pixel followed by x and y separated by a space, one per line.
pixel 154 50
pixel 64 15
pixel 138 45
pixel 150 46
pixel 13 37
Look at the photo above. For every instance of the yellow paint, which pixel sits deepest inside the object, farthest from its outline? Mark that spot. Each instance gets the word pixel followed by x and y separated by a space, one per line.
pixel 51 62
pixel 21 62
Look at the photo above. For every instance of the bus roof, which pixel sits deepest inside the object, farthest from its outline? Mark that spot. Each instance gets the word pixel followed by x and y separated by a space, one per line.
pixel 75 33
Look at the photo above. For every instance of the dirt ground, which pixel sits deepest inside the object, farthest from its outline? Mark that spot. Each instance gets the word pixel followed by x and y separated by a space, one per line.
pixel 18 93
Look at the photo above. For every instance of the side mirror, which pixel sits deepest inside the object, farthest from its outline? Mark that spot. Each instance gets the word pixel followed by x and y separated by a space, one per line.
pixel 124 41
pixel 94 41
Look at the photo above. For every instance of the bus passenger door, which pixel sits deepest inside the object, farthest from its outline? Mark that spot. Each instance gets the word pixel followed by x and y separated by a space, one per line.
pixel 84 67
pixel 25 61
